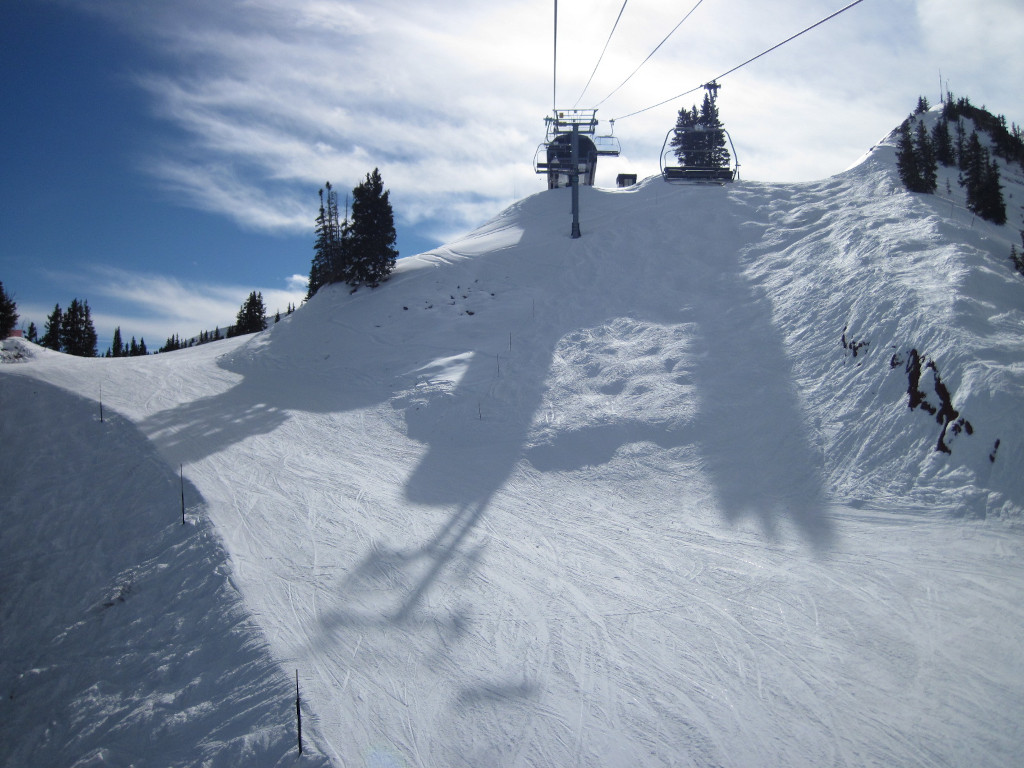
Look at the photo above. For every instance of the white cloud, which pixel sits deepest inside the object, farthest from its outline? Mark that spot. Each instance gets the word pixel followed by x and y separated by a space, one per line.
pixel 448 97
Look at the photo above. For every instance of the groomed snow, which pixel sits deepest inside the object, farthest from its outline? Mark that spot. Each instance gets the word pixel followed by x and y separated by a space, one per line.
pixel 625 500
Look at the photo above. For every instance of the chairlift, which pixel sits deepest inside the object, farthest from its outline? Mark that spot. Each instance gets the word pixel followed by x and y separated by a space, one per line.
pixel 703 154
pixel 701 163
pixel 554 155
pixel 608 145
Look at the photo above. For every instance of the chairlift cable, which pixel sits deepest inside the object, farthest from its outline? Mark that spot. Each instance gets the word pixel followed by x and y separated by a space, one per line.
pixel 748 61
pixel 554 68
pixel 603 50
pixel 677 26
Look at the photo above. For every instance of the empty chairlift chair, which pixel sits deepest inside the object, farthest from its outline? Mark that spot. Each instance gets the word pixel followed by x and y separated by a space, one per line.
pixel 702 156
pixel 554 155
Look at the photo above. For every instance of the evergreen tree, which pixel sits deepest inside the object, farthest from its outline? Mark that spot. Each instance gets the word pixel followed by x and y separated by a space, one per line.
pixel 171 344
pixel 980 179
pixel 993 205
pixel 370 237
pixel 906 159
pixel 684 137
pixel 1017 259
pixel 77 332
pixel 340 241
pixel 117 349
pixel 972 166
pixel 8 313
pixel 52 338
pixel 922 105
pixel 942 143
pixel 142 346
pixel 960 146
pixel 926 163
pixel 319 268
pixel 252 316
pixel 330 248
pixel 714 139
pixel 698 140
pixel 32 334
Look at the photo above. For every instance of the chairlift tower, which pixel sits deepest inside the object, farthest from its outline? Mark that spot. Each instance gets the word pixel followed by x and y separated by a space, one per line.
pixel 569 152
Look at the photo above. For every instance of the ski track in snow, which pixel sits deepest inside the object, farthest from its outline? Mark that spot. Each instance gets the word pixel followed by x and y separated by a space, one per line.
pixel 626 500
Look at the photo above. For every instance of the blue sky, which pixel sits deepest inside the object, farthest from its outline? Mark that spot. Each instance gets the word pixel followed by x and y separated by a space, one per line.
pixel 162 158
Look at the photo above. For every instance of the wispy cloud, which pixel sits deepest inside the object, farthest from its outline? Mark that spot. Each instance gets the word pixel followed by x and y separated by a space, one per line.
pixel 275 96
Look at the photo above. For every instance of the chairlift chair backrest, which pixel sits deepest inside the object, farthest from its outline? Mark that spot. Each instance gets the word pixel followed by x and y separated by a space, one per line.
pixel 554 155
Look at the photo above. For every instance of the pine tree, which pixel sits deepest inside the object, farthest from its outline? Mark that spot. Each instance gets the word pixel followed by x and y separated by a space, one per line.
pixel 32 334
pixel 117 349
pixel 172 344
pixel 8 313
pixel 330 248
pixel 993 205
pixel 252 316
pixel 77 332
pixel 906 159
pixel 1017 259
pixel 684 137
pixel 714 139
pixel 961 146
pixel 339 241
pixel 53 337
pixel 319 268
pixel 980 179
pixel 142 346
pixel 922 105
pixel 925 157
pixel 942 143
pixel 698 140
pixel 370 237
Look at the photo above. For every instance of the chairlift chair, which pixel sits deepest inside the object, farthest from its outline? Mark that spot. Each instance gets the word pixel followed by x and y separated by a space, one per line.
pixel 554 155
pixel 700 166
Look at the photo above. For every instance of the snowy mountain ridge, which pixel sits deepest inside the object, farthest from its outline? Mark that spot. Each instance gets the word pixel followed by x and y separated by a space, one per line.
pixel 672 493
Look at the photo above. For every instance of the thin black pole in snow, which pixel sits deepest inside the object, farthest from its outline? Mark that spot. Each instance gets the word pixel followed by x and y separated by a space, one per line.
pixel 181 471
pixel 101 403
pixel 298 709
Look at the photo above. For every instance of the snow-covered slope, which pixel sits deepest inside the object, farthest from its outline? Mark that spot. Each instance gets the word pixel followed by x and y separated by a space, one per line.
pixel 655 496
pixel 123 640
